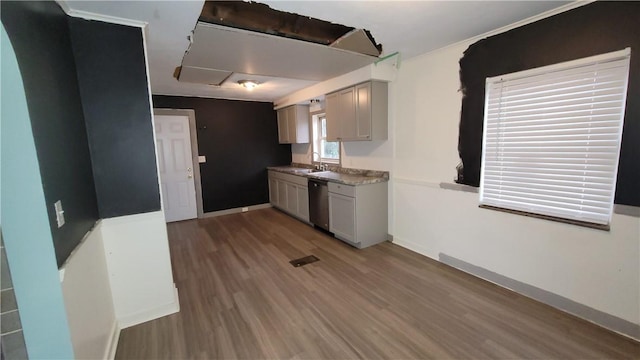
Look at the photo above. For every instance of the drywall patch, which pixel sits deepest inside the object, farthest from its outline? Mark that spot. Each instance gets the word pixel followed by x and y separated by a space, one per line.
pixel 593 29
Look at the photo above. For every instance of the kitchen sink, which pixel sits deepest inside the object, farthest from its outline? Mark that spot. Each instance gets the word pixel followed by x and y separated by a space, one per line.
pixel 326 175
pixel 307 171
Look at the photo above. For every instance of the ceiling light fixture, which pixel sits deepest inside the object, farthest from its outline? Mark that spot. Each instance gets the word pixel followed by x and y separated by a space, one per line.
pixel 249 84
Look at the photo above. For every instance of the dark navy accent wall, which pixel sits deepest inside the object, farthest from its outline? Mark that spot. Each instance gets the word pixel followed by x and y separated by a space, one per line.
pixel 593 29
pixel 113 85
pixel 39 33
pixel 239 139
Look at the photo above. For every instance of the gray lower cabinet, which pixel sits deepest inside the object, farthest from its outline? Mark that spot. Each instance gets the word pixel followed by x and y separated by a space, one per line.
pixel 289 193
pixel 358 214
pixel 273 191
pixel 342 216
pixel 303 202
pixel 292 198
pixel 282 194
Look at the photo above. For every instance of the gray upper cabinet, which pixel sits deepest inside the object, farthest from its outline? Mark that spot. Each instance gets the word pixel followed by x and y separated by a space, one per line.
pixel 293 124
pixel 347 114
pixel 331 114
pixel 283 127
pixel 358 113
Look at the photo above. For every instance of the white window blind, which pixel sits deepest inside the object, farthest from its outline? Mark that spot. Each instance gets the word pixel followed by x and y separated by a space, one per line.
pixel 552 138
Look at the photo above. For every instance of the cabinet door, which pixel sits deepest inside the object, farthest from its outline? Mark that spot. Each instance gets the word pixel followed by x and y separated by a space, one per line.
pixel 282 194
pixel 347 116
pixel 363 111
pixel 292 198
pixel 301 115
pixel 342 216
pixel 283 127
pixel 291 124
pixel 303 203
pixel 273 191
pixel 332 112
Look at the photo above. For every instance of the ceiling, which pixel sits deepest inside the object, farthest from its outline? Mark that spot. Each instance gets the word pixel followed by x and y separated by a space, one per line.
pixel 409 27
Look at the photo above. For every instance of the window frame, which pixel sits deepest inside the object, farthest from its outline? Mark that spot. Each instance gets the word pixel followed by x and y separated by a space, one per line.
pixel 317 138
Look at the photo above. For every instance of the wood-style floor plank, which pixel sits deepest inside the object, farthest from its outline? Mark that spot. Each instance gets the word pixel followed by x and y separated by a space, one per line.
pixel 241 299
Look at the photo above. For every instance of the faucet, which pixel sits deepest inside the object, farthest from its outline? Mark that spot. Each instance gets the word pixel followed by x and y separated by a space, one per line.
pixel 322 166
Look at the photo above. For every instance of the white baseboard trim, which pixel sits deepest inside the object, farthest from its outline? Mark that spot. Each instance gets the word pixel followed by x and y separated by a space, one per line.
pixel 112 344
pixel 151 314
pixel 413 247
pixel 235 210
pixel 134 218
pixel 600 318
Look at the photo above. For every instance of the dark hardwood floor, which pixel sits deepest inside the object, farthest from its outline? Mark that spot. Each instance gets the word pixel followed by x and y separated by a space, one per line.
pixel 240 298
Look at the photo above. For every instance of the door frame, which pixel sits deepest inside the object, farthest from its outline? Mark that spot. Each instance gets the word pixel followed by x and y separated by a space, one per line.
pixel 193 134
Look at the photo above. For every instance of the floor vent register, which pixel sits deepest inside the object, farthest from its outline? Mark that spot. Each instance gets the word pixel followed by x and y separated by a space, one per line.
pixel 303 261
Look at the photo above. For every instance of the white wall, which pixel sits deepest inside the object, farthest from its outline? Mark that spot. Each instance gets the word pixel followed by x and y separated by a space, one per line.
pixel 595 268
pixel 119 276
pixel 88 299
pixel 301 153
pixel 369 155
pixel 137 254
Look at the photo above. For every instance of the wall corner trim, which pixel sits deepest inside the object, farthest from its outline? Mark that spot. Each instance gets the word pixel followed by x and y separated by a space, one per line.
pixel 150 314
pixel 459 187
pixel 110 351
pixel 597 317
pixel 626 210
pixel 99 17
pixel 235 210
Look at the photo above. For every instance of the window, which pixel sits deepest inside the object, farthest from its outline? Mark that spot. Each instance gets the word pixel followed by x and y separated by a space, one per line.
pixel 328 151
pixel 552 139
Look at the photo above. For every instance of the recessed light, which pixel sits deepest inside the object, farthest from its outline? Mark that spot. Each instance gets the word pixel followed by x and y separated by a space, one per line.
pixel 249 84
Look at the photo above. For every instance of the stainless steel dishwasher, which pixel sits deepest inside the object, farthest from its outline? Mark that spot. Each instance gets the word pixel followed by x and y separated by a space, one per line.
pixel 319 203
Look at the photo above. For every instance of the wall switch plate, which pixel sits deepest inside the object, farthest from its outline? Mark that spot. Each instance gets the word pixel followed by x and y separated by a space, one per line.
pixel 202 159
pixel 59 213
pixel 245 209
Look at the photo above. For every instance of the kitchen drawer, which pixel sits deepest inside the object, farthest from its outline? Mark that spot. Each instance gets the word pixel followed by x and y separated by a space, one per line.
pixel 294 179
pixel 346 190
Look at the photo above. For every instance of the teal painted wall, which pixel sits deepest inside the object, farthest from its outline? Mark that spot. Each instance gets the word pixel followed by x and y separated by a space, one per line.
pixel 25 225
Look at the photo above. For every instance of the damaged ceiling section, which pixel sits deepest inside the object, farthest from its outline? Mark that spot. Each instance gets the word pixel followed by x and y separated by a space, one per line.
pixel 271 43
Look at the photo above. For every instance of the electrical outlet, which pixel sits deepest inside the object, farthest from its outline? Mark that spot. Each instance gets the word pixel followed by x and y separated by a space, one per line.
pixel 245 209
pixel 59 213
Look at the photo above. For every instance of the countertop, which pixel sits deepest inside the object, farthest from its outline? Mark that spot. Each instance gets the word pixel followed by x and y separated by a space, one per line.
pixel 343 176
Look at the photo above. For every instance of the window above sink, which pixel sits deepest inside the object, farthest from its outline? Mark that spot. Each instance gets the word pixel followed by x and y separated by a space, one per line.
pixel 323 151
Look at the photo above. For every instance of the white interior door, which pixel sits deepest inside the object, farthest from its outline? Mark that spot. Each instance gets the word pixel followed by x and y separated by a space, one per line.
pixel 176 167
